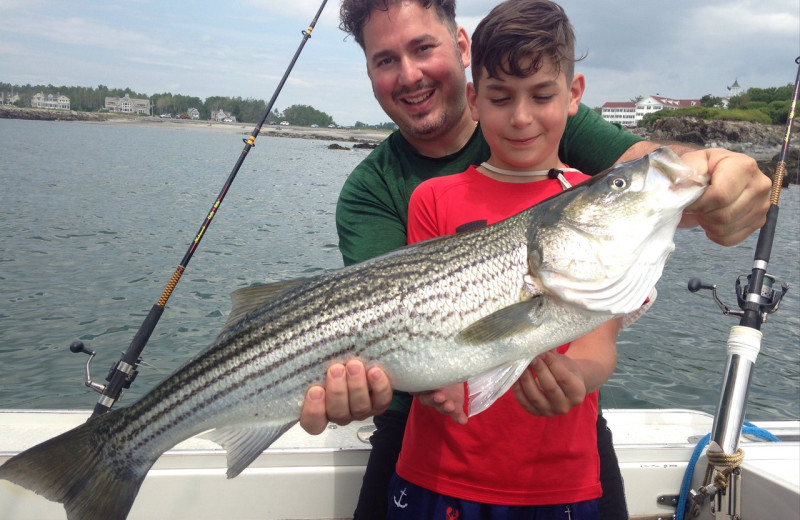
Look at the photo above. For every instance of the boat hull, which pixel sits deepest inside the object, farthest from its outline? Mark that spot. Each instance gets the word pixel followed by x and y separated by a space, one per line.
pixel 318 477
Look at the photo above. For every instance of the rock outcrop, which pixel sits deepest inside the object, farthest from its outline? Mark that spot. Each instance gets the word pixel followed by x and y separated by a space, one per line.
pixel 44 114
pixel 699 131
pixel 760 141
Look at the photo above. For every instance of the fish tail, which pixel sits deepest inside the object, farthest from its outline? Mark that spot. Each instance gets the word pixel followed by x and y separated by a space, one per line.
pixel 75 470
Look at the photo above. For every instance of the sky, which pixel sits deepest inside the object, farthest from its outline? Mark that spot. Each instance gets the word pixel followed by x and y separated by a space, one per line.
pixel 681 49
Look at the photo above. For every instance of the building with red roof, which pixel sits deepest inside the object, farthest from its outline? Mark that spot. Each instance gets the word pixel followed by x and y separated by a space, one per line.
pixel 629 113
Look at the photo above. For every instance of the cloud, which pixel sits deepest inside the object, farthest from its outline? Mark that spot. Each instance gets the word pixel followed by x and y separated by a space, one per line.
pixel 681 49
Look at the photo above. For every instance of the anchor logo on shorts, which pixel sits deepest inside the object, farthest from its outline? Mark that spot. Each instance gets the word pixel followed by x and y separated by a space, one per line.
pixel 399 502
pixel 452 513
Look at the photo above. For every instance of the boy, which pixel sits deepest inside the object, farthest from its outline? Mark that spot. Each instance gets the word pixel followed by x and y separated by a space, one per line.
pixel 533 453
pixel 416 57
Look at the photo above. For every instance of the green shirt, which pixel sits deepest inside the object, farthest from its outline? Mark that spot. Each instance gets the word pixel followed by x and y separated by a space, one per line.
pixel 372 210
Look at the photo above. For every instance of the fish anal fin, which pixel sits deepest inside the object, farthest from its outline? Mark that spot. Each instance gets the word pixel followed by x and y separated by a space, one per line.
pixel 509 321
pixel 245 443
pixel 485 389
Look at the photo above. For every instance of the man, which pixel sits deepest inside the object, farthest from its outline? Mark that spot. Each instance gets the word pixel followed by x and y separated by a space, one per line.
pixel 416 59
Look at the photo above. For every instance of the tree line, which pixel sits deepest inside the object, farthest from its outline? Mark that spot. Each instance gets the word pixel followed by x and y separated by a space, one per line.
pixel 246 110
pixel 759 105
pixel 774 102
pixel 84 99
pixel 762 105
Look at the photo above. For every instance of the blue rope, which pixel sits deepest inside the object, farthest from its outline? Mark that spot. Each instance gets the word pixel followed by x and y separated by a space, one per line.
pixel 748 429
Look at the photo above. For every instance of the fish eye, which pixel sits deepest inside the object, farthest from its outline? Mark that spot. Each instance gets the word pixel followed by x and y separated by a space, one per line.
pixel 617 183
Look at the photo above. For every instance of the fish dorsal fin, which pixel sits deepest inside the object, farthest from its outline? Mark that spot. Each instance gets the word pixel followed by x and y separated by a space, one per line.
pixel 245 443
pixel 485 389
pixel 509 321
pixel 247 299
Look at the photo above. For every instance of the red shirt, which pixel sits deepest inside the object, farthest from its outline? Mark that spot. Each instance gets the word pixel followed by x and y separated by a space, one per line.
pixel 503 455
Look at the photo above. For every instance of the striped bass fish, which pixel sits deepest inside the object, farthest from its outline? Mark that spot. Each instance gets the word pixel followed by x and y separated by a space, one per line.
pixel 476 307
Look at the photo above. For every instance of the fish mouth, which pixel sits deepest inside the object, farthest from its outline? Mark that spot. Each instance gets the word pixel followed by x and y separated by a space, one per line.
pixel 667 167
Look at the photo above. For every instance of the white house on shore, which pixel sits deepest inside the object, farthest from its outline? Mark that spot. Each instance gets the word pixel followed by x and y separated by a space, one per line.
pixel 8 99
pixel 222 117
pixel 128 104
pixel 55 102
pixel 622 113
pixel 629 113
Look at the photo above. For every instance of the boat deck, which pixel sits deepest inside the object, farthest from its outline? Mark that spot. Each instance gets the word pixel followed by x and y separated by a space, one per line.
pixel 318 477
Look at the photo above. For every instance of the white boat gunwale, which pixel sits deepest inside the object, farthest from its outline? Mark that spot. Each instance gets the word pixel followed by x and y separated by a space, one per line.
pixel 653 446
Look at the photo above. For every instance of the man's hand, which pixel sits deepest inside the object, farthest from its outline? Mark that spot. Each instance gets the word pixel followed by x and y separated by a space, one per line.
pixel 556 389
pixel 350 393
pixel 448 401
pixel 736 202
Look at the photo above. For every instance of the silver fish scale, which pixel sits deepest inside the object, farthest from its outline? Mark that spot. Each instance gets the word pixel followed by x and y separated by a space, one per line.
pixel 395 310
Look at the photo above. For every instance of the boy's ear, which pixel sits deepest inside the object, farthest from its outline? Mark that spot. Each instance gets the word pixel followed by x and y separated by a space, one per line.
pixel 576 89
pixel 472 101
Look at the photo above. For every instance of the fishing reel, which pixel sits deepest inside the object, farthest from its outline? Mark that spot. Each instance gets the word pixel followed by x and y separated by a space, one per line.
pixel 772 292
pixel 78 347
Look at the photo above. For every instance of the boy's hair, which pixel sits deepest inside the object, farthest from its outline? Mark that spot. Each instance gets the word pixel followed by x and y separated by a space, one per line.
pixel 517 35
pixel 353 14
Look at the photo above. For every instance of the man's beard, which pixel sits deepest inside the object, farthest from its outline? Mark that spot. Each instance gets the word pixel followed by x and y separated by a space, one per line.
pixel 423 126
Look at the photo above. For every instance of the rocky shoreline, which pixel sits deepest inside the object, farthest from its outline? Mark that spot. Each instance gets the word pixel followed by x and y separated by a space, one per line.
pixel 44 114
pixel 762 142
pixel 758 140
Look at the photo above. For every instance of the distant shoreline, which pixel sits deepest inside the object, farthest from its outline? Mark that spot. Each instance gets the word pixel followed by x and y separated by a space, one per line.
pixel 763 148
pixel 355 135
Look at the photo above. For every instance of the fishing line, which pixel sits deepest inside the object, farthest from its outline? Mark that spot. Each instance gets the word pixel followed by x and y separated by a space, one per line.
pixel 758 278
pixel 759 296
pixel 124 372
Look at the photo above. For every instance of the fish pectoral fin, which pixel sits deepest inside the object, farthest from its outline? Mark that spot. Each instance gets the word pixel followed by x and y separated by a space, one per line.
pixel 247 299
pixel 485 389
pixel 245 443
pixel 515 319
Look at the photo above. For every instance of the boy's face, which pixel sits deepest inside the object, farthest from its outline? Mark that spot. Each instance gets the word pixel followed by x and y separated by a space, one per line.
pixel 523 119
pixel 416 68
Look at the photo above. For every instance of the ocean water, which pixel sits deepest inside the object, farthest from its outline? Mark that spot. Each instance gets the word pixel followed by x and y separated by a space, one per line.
pixel 95 218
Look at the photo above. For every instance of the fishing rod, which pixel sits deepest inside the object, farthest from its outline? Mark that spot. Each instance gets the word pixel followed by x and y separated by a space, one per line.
pixel 757 297
pixel 125 370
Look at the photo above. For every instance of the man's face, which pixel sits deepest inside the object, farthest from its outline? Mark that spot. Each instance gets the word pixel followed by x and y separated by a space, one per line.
pixel 417 69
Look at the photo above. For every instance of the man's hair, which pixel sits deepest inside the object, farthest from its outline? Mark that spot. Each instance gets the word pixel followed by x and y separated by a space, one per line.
pixel 353 14
pixel 516 36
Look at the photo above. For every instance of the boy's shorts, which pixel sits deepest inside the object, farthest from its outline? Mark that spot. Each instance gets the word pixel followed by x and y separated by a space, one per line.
pixel 408 501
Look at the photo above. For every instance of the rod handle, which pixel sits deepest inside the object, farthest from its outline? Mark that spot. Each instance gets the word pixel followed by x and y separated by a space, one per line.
pixel 695 284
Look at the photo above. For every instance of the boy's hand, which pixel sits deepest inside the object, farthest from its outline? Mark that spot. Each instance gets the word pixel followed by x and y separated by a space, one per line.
pixel 556 389
pixel 448 401
pixel 350 394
